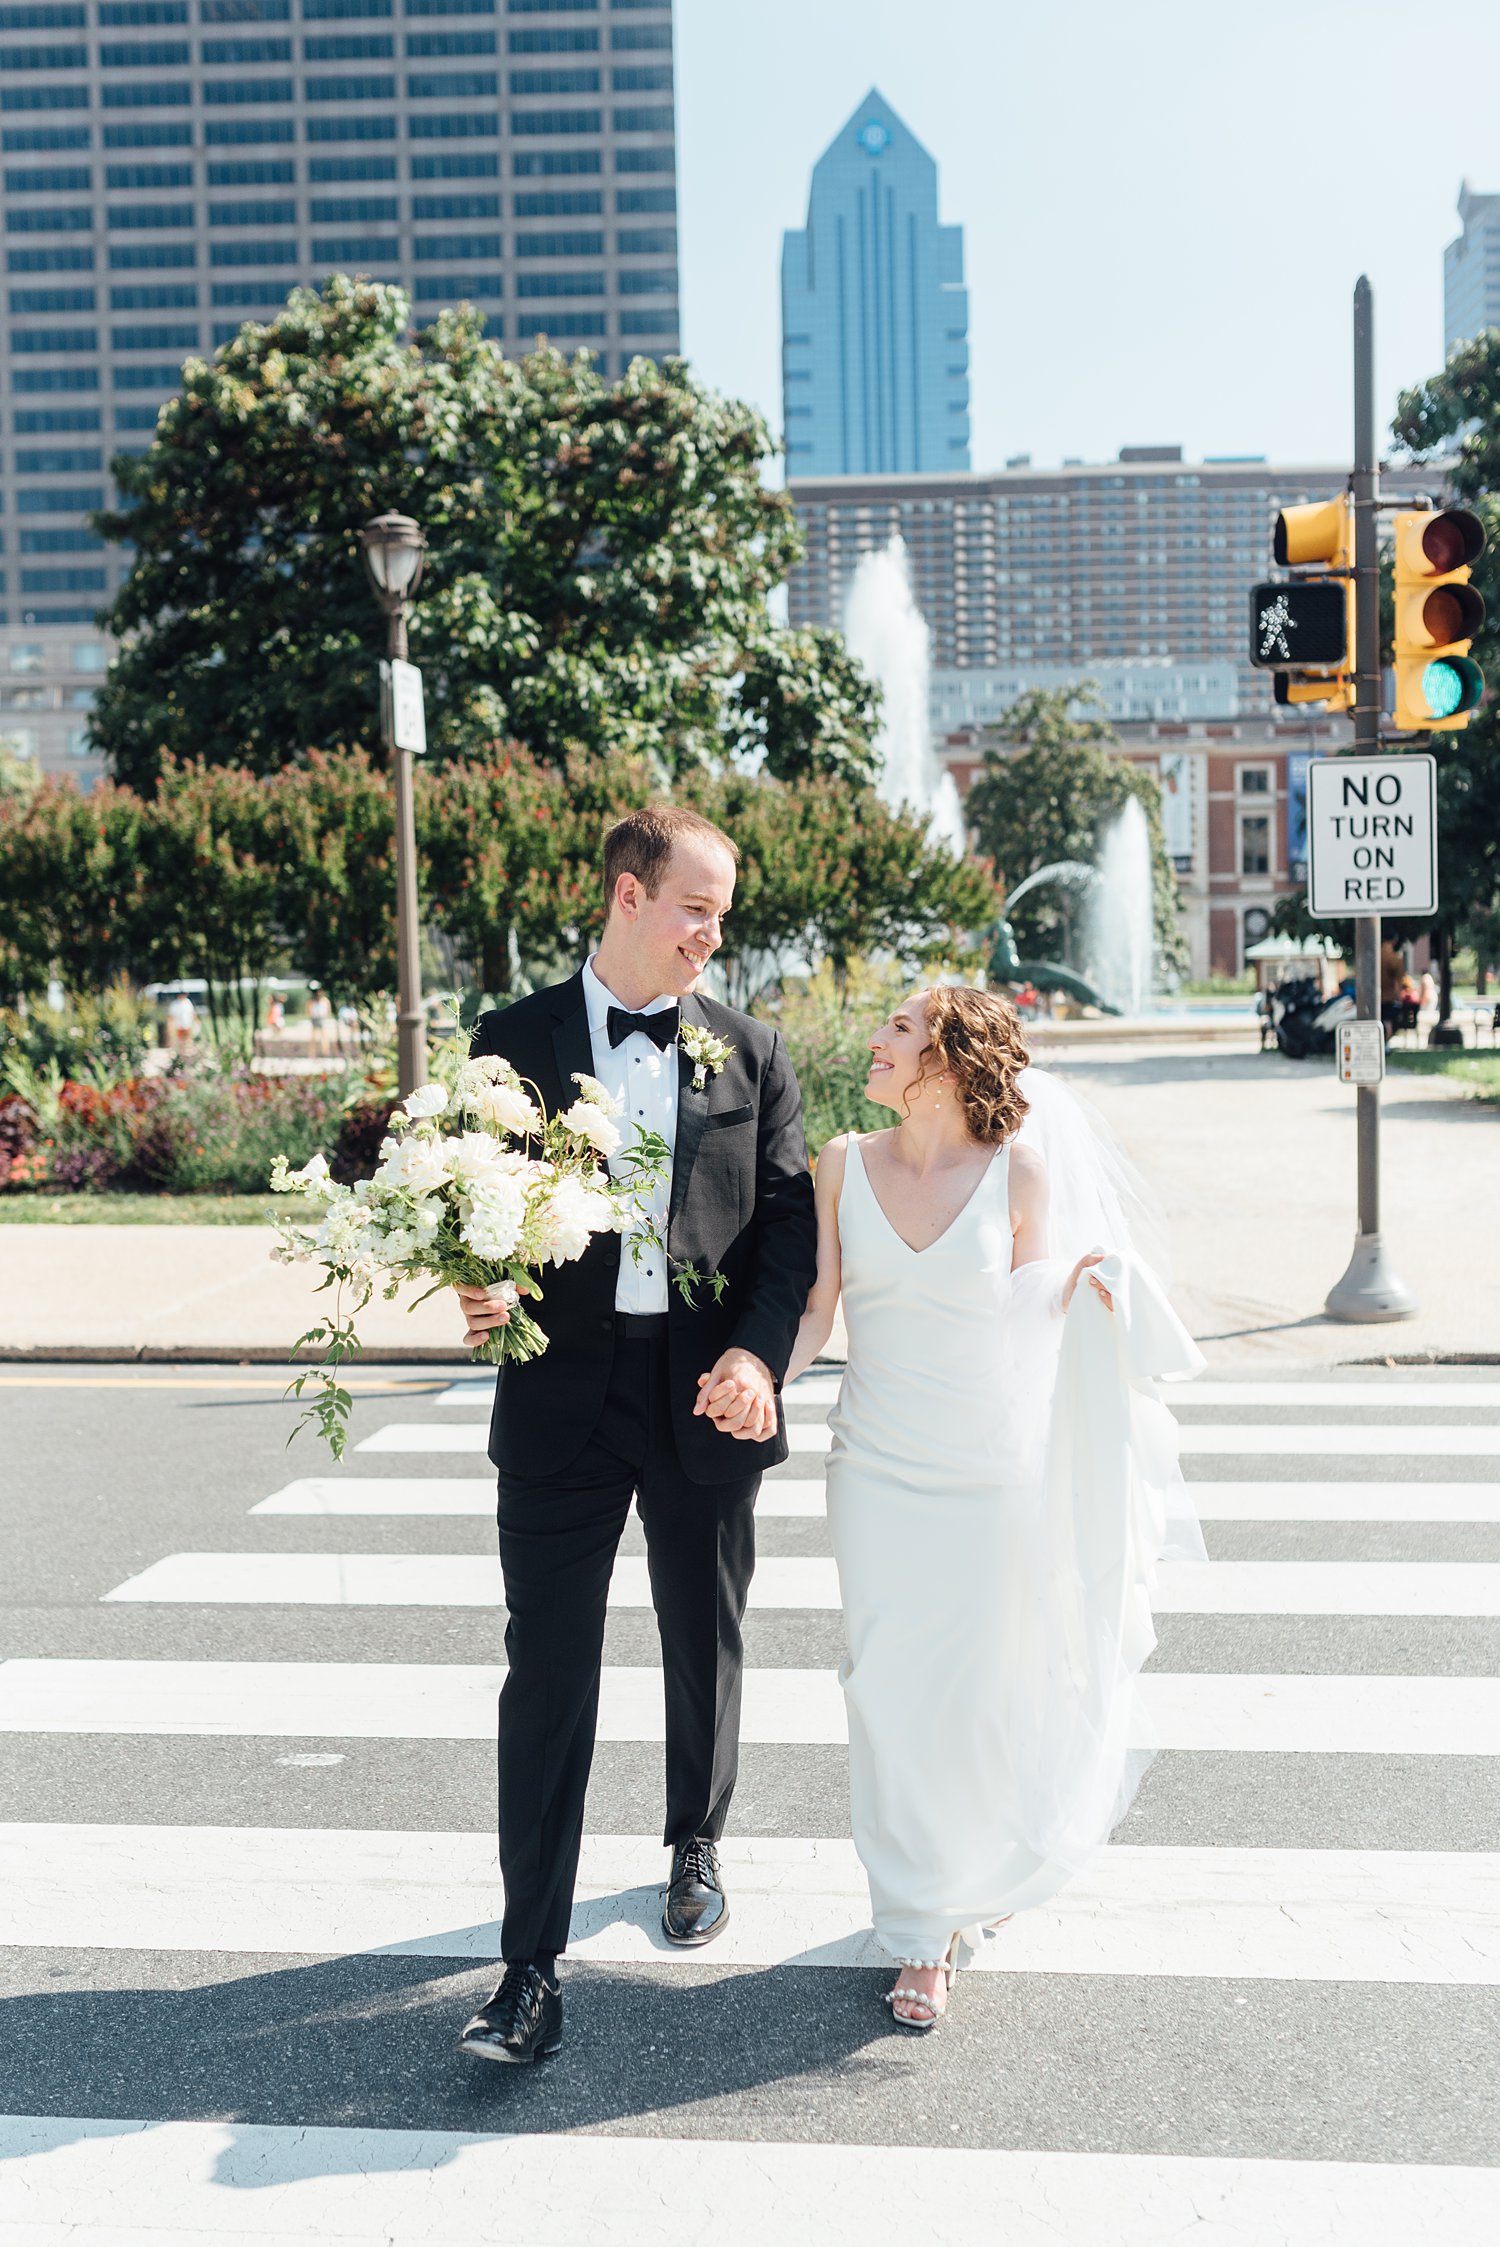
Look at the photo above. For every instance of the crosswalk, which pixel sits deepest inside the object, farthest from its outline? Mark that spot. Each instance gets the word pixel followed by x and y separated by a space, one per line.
pixel 1262 2016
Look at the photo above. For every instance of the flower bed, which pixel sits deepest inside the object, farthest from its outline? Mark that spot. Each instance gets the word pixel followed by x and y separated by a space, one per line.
pixel 199 1129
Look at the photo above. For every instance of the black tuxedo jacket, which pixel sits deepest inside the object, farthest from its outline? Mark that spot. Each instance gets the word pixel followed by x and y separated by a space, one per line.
pixel 741 1204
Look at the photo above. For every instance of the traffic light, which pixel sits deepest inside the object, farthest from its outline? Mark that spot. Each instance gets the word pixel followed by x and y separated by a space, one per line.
pixel 1302 628
pixel 1438 613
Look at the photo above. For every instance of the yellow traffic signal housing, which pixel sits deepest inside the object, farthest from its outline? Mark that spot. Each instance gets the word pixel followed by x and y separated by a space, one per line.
pixel 1319 534
pixel 1438 612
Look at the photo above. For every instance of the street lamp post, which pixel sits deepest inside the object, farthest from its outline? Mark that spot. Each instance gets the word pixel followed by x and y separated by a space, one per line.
pixel 393 548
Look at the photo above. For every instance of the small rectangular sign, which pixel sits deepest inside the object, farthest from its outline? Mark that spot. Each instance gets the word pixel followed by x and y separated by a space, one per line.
pixel 1360 1049
pixel 1371 836
pixel 403 716
pixel 1300 624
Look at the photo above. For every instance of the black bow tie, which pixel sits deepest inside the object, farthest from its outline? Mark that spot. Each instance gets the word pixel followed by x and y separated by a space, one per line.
pixel 660 1028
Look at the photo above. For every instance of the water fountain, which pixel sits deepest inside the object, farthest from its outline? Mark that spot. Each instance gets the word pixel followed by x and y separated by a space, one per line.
pixel 886 630
pixel 1120 919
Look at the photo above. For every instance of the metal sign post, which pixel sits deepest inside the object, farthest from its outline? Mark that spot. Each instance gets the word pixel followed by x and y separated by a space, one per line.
pixel 1370 1291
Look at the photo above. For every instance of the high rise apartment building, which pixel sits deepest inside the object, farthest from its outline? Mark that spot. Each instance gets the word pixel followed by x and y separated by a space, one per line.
pixel 874 313
pixel 1147 558
pixel 173 167
pixel 1471 269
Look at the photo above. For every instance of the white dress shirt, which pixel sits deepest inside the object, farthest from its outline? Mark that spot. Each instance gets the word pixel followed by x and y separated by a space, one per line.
pixel 644 1081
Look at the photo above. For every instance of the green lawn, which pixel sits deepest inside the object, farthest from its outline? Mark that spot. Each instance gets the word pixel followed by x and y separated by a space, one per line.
pixel 1479 1071
pixel 149 1209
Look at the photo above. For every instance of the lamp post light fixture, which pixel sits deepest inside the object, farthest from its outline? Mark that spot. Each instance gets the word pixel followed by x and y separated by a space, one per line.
pixel 394 548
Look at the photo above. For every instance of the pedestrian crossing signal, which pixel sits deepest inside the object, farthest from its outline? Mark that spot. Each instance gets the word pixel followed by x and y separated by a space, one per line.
pixel 1302 628
pixel 1438 612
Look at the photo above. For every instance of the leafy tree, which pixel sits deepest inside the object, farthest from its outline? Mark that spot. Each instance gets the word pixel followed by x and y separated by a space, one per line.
pixel 1457 414
pixel 600 556
pixel 77 887
pixel 1048 794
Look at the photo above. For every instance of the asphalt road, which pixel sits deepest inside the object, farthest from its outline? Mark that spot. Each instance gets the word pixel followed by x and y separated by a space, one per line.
pixel 1277 2006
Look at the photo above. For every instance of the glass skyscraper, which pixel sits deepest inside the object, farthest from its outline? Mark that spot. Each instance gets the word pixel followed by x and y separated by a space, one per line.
pixel 1471 270
pixel 874 313
pixel 173 167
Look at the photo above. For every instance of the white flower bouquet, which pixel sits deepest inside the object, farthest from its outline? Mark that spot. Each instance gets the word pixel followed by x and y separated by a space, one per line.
pixel 477 1186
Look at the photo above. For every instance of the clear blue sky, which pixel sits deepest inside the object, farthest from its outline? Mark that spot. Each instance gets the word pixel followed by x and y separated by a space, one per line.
pixel 1165 206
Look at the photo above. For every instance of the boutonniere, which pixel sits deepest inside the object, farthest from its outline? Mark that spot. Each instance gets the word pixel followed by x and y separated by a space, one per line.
pixel 707 1053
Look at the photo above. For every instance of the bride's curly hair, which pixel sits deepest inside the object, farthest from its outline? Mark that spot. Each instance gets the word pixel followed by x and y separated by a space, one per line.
pixel 977 1037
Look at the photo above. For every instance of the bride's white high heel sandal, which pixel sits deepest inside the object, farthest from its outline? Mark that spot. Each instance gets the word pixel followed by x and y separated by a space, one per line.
pixel 928 2019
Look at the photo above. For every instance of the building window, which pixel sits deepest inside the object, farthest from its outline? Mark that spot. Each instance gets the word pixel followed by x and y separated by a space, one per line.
pixel 252 253
pixel 152 376
pixel 137 176
pixel 48 421
pixel 578 202
pixel 279 213
pixel 154 338
pixel 349 46
pixel 559 245
pixel 69 540
pixel 122 14
pixel 241 52
pixel 568 42
pixel 656 119
pixel 455 206
pixel 449 288
pixel 246 292
pixel 637 37
pixel 536 123
pixel 124 255
pixel 323 170
pixel 477 163
pixel 150 94
pixel 21 138
pixel 24 302
pixel 60 499
pixel 1255 843
pixel 345 89
pixel 44 97
pixel 352 210
pixel 75 460
pixel 560 284
pixel 646 241
pixel 1255 780
pixel 52 179
pixel 645 160
pixel 27 658
pixel 654 281
pixel 148 216
pixel 427 43
pixel 159 133
pixel 253 171
pixel 59 257
pixel 55 339
pixel 475 126
pixel 642 78
pixel 50 218
pixel 554 81
pixel 48 58
pixel 645 199
pixel 62 581
pixel 355 249
pixel 347 128
pixel 436 249
pixel 450 85
pixel 87 655
pixel 455 7
pixel 555 163
pixel 329 11
pixel 571 324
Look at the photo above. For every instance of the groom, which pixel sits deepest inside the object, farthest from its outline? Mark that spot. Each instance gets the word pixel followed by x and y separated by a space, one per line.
pixel 641 1393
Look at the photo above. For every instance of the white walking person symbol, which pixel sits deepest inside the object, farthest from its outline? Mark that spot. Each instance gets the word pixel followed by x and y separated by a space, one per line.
pixel 1275 623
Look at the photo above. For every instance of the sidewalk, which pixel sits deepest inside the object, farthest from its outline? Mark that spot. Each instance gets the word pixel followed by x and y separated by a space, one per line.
pixel 1252 1155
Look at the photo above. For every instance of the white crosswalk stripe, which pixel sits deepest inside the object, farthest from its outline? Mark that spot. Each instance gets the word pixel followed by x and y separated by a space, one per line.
pixel 467 1580
pixel 455 1701
pixel 1217 1920
pixel 165 2182
pixel 1276 1914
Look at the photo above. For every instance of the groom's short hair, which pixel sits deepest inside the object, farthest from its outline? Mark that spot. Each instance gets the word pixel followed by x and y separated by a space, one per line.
pixel 643 841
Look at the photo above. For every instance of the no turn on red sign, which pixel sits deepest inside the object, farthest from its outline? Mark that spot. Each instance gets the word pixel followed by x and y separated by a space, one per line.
pixel 1371 836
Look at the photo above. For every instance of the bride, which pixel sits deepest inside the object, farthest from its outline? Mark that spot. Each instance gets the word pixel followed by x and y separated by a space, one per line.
pixel 997 1484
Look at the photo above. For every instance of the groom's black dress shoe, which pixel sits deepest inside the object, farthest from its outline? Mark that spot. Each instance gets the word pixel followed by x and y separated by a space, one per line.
pixel 521 2022
pixel 697 1908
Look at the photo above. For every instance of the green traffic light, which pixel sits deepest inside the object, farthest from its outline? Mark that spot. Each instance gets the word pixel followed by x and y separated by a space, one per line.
pixel 1442 689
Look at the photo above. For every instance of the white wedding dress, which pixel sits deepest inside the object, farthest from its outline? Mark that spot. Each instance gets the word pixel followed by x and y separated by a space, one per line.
pixel 994 1571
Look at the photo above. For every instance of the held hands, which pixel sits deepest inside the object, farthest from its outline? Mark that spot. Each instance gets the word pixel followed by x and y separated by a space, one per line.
pixel 739 1397
pixel 483 1310
pixel 1095 1256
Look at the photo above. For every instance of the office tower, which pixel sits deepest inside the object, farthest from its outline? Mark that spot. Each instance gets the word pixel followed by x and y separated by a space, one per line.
pixel 1148 558
pixel 1471 270
pixel 874 313
pixel 173 167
